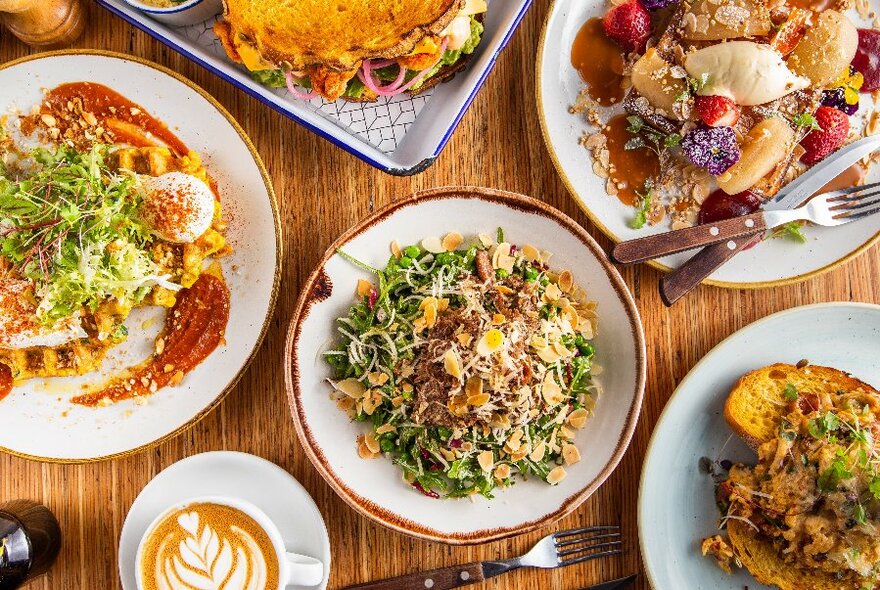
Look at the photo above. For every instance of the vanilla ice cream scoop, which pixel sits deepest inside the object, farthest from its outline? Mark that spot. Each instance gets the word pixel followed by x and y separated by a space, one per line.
pixel 746 72
pixel 178 207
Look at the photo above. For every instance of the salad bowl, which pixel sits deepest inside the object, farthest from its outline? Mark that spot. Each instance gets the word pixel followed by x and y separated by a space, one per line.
pixel 375 488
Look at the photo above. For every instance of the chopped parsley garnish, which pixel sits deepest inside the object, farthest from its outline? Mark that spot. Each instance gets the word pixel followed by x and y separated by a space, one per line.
pixel 836 472
pixel 819 427
pixel 790 392
pixel 792 230
pixel 645 201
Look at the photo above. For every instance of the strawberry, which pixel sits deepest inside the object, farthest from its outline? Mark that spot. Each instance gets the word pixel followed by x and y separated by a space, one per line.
pixel 628 25
pixel 818 143
pixel 717 111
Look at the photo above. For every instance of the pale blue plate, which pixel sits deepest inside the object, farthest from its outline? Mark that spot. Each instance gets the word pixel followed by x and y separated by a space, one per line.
pixel 676 505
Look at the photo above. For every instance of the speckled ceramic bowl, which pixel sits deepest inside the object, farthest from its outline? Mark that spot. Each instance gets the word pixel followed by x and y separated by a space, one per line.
pixel 375 487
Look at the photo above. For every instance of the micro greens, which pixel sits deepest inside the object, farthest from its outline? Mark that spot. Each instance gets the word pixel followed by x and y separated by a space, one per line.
pixel 646 199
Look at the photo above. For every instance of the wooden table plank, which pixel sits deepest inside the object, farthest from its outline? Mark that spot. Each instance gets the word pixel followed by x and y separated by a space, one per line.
pixel 499 144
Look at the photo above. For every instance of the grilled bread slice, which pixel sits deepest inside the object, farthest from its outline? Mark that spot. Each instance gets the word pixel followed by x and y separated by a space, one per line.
pixel 760 557
pixel 757 403
pixel 754 409
pixel 336 35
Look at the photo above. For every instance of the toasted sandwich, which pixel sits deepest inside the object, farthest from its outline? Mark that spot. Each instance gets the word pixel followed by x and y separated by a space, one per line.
pixel 351 49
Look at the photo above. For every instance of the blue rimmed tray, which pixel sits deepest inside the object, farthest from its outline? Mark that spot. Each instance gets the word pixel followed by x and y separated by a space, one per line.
pixel 401 135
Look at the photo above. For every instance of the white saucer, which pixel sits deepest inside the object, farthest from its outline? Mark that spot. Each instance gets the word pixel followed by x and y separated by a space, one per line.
pixel 227 473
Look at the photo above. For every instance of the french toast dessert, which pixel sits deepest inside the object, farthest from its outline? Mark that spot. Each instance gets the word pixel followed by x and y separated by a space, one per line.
pixel 727 101
pixel 356 50
pixel 805 516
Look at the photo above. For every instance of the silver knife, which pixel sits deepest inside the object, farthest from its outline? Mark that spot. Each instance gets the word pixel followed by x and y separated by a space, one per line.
pixel 682 280
pixel 614 584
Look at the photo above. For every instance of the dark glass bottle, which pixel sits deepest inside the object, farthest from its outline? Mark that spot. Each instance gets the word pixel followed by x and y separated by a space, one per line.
pixel 30 540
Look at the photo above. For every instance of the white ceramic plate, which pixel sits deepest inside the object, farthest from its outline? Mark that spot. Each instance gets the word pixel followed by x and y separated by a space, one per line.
pixel 375 488
pixel 69 432
pixel 771 263
pixel 676 501
pixel 235 475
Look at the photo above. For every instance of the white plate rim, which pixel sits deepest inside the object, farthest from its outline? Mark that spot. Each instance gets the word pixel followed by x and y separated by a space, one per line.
pixel 595 220
pixel 276 217
pixel 397 522
pixel 690 375
pixel 258 462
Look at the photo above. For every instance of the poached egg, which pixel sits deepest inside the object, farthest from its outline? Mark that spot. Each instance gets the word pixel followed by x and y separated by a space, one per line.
pixel 178 207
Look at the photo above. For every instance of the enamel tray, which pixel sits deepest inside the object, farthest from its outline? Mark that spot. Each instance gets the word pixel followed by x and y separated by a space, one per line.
pixel 39 421
pixel 402 135
pixel 773 262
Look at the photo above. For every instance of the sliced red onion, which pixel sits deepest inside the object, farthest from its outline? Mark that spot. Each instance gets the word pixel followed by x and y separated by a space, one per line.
pixel 291 86
pixel 366 76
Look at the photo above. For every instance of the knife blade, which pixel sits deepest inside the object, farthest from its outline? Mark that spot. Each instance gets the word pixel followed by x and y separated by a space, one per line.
pixel 807 184
pixel 683 279
pixel 614 584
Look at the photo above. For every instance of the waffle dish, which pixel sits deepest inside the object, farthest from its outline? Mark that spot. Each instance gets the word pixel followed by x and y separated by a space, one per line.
pixel 109 213
pixel 725 102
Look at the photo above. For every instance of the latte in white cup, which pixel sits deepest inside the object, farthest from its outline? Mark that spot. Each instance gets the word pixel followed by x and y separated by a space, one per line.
pixel 220 543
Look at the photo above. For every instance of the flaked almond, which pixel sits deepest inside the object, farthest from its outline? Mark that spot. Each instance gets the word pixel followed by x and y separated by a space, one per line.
pixel 566 281
pixel 377 379
pixel 457 404
pixel 565 433
pixel 498 319
pixel 371 402
pixel 465 338
pixel 351 387
pixel 442 304
pixel 552 293
pixel 433 245
pixel 486 460
pixel 502 472
pixel 531 253
pixel 371 442
pixel 48 120
pixel 548 354
pixel 556 475
pixel 478 400
pixel 486 240
pixel 551 392
pixel 570 454
pixel 452 364
pixel 538 342
pixel 504 290
pixel 452 241
pixel 397 401
pixel 538 452
pixel 578 418
pixel 386 428
pixel 395 249
pixel 448 454
pixel 474 386
pixel 345 404
pixel 364 451
pixel 364 287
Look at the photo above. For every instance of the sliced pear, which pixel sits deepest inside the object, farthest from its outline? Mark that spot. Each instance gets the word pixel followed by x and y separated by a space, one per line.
pixel 713 20
pixel 748 73
pixel 652 78
pixel 764 147
pixel 826 50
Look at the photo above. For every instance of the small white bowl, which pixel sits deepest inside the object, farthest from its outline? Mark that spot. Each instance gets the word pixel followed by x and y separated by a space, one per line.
pixel 185 13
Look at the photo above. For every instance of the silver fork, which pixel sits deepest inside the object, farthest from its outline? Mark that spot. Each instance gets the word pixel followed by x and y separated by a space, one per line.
pixel 828 209
pixel 556 550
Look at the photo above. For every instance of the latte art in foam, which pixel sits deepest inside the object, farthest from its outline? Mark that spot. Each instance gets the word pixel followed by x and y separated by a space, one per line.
pixel 209 546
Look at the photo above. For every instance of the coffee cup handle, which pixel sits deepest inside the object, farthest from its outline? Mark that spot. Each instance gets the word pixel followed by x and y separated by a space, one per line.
pixel 304 570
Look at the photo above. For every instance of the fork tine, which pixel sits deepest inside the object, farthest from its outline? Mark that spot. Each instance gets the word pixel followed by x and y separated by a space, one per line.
pixel 589 557
pixel 859 214
pixel 589 529
pixel 568 552
pixel 853 199
pixel 560 544
pixel 853 205
pixel 843 194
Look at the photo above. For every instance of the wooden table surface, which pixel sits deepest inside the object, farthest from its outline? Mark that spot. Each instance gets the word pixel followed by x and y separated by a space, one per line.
pixel 323 191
